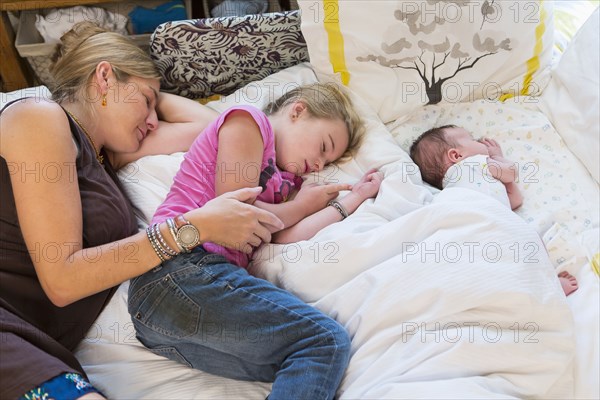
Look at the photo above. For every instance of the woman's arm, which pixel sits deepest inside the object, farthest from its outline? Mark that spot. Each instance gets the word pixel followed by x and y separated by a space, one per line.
pixel 181 120
pixel 49 211
pixel 36 134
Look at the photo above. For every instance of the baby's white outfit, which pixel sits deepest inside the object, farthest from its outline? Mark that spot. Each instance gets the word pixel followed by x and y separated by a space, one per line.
pixel 473 173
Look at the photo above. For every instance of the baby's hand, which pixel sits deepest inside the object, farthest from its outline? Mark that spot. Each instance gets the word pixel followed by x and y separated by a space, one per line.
pixel 369 184
pixel 494 148
pixel 315 196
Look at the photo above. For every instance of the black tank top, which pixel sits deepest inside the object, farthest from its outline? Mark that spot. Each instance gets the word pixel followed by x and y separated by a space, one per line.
pixel 107 216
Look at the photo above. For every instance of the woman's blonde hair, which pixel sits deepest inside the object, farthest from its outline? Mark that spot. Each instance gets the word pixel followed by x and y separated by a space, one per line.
pixel 83 48
pixel 327 101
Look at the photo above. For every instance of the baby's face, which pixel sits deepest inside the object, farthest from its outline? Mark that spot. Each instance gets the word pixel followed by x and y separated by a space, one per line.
pixel 466 145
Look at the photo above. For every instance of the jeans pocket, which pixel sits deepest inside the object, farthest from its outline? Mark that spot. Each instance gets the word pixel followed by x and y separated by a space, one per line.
pixel 171 353
pixel 168 310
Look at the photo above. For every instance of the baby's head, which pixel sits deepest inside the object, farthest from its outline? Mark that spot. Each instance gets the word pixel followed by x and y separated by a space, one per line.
pixel 314 125
pixel 439 148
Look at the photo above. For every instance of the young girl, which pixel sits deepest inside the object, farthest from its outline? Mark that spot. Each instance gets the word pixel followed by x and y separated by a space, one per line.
pixel 201 308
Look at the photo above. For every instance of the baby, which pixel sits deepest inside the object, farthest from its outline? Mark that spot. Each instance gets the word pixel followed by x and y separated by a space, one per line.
pixel 448 156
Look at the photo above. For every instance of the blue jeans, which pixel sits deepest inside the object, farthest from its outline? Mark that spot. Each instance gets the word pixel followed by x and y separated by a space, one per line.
pixel 204 312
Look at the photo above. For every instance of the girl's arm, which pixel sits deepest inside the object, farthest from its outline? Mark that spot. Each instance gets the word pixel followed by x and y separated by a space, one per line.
pixel 310 199
pixel 240 146
pixel 181 120
pixel 308 227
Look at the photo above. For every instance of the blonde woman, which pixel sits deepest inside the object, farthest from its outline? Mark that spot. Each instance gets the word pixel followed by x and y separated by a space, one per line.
pixel 68 235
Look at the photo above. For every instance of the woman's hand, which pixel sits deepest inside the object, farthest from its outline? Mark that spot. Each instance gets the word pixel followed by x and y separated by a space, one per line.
pixel 228 220
pixel 369 184
pixel 314 197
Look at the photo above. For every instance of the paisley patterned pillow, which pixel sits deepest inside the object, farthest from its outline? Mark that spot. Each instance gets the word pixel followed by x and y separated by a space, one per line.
pixel 199 58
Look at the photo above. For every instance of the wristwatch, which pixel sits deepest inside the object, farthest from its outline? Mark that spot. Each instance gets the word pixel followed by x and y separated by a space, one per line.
pixel 186 235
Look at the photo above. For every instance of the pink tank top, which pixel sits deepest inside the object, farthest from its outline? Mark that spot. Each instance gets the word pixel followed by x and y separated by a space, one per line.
pixel 194 183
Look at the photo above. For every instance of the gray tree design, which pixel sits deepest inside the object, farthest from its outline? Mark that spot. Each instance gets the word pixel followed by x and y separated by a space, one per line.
pixel 437 63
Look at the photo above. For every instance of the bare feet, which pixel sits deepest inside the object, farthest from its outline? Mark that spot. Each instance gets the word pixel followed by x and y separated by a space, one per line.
pixel 568 282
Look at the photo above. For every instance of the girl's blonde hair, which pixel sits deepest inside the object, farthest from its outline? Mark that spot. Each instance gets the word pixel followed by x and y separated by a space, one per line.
pixel 327 101
pixel 83 48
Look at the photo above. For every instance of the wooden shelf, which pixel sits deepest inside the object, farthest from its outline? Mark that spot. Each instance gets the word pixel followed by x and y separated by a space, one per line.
pixel 10 5
pixel 14 71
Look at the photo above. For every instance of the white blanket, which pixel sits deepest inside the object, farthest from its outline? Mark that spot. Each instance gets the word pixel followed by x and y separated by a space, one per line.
pixel 486 319
pixel 456 297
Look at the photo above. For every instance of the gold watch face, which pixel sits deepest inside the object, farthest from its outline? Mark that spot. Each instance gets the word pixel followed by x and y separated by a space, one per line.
pixel 188 235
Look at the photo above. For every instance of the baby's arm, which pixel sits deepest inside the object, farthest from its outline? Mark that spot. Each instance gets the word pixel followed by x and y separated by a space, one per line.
pixel 514 195
pixel 308 227
pixel 505 171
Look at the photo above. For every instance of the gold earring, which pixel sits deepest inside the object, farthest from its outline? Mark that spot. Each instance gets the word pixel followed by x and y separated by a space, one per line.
pixel 104 100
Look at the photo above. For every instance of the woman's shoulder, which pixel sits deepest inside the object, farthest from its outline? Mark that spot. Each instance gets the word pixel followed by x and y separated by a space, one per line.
pixel 34 121
pixel 33 109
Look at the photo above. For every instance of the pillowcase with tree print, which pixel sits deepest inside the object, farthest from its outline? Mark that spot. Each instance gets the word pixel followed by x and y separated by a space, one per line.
pixel 399 55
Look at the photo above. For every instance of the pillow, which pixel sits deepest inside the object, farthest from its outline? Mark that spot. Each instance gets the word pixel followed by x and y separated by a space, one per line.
pixel 572 99
pixel 400 55
pixel 569 16
pixel 200 58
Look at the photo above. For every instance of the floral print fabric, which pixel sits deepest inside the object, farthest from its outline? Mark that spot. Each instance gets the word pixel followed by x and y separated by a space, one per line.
pixel 203 57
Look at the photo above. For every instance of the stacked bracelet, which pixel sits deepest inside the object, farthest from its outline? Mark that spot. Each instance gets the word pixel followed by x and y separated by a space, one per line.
pixel 173 230
pixel 338 206
pixel 160 246
pixel 154 244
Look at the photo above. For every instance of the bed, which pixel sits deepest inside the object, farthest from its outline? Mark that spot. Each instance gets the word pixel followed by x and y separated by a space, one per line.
pixel 444 294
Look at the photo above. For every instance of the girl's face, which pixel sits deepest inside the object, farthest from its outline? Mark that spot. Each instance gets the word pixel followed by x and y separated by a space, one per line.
pixel 306 144
pixel 130 113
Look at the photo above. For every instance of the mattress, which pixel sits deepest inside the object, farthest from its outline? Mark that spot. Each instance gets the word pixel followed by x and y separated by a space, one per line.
pixel 445 295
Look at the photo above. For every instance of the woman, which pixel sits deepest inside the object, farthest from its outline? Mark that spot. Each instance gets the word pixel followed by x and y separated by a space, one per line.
pixel 68 235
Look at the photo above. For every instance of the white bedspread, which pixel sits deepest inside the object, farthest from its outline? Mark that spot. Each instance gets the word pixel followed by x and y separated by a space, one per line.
pixel 445 295
pixel 455 297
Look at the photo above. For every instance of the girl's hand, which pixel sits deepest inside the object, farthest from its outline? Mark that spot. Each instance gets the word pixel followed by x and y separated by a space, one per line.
pixel 228 220
pixel 314 197
pixel 368 186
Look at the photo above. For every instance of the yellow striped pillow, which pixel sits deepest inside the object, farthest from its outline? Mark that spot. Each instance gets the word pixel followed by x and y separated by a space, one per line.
pixel 399 55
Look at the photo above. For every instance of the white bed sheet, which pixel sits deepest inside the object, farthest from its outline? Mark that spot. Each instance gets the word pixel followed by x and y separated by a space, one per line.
pixel 561 207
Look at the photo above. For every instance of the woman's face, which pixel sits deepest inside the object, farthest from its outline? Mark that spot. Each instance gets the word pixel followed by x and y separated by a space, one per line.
pixel 130 113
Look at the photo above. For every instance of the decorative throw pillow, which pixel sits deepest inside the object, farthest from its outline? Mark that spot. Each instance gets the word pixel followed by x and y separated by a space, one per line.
pixel 199 58
pixel 402 54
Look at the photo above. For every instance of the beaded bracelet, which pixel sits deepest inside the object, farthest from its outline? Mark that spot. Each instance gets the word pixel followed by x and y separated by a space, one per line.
pixel 160 246
pixel 157 243
pixel 173 230
pixel 162 241
pixel 154 243
pixel 338 206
